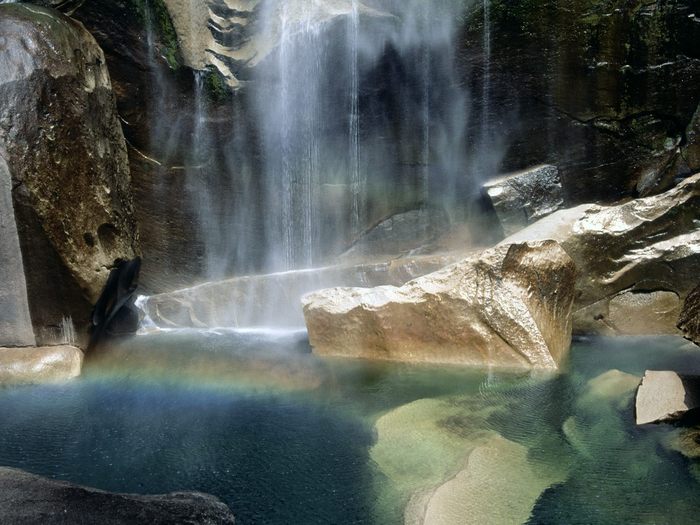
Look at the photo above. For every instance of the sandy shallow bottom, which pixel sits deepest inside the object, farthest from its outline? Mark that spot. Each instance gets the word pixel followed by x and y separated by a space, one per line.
pixel 284 437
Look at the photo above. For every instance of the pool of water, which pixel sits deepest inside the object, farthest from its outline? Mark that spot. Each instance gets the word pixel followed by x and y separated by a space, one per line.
pixel 284 437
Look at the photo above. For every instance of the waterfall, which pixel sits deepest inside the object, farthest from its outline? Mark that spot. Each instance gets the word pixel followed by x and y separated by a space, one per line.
pixel 486 84
pixel 354 127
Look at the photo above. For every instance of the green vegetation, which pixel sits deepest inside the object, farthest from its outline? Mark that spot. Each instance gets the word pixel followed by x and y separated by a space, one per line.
pixel 155 14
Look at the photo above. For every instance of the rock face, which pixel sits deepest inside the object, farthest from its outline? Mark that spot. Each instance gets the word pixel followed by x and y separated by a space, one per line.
pixel 509 306
pixel 524 197
pixel 273 300
pixel 15 322
pixel 67 157
pixel 689 321
pixel 637 261
pixel 39 365
pixel 666 396
pixel 29 499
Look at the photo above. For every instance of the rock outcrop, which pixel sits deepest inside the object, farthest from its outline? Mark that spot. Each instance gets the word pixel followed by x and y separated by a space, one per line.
pixel 689 321
pixel 524 197
pixel 32 500
pixel 666 396
pixel 15 322
pixel 637 261
pixel 39 365
pixel 273 300
pixel 66 154
pixel 509 306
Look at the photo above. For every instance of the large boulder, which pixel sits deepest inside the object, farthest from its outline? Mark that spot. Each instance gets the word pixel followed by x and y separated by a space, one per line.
pixel 39 365
pixel 666 396
pixel 509 306
pixel 689 321
pixel 637 261
pixel 32 500
pixel 67 158
pixel 526 196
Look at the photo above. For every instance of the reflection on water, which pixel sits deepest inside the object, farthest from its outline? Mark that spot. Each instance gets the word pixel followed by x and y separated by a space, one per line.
pixel 284 437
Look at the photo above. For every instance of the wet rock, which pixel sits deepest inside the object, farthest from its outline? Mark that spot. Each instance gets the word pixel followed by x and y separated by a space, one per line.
pixel 509 306
pixel 666 396
pixel 274 299
pixel 32 365
pixel 15 322
pixel 524 197
pixel 400 234
pixel 476 494
pixel 29 499
pixel 67 156
pixel 636 261
pixel 689 321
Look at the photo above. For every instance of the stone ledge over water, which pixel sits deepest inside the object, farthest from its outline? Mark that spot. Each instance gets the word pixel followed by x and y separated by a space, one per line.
pixel 28 499
pixel 509 306
pixel 34 365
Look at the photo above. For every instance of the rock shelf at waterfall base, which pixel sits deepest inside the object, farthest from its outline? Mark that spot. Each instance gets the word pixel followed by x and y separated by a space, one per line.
pixel 509 306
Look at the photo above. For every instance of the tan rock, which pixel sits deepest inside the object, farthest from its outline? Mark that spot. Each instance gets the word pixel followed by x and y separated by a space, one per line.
pixel 509 306
pixel 663 396
pixel 498 485
pixel 637 261
pixel 39 364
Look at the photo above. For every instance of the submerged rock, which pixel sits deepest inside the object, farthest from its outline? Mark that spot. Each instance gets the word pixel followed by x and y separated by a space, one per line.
pixel 689 321
pixel 509 306
pixel 524 197
pixel 39 365
pixel 499 484
pixel 28 499
pixel 66 154
pixel 666 396
pixel 636 261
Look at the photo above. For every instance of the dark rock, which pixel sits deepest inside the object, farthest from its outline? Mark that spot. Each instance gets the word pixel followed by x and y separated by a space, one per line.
pixel 115 313
pixel 524 197
pixel 66 153
pixel 27 499
pixel 689 321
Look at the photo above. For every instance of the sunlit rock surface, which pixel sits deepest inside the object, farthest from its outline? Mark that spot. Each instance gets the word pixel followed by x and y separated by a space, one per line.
pixel 67 157
pixel 636 261
pixel 666 396
pixel 274 299
pixel 524 197
pixel 15 322
pixel 32 500
pixel 498 484
pixel 689 321
pixel 34 365
pixel 509 306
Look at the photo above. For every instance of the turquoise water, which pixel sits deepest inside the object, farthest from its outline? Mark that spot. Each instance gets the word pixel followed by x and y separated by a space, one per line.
pixel 284 437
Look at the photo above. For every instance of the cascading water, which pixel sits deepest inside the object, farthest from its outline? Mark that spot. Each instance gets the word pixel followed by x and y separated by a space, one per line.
pixel 358 112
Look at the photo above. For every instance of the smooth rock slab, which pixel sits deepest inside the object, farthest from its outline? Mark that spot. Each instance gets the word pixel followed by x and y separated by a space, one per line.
pixel 27 499
pixel 666 396
pixel 509 306
pixel 33 365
